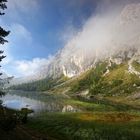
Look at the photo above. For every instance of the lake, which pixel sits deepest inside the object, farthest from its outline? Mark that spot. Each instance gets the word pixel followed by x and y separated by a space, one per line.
pixel 36 101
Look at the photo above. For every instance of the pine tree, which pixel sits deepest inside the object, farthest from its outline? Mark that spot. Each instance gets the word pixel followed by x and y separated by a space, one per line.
pixel 3 33
pixel 7 121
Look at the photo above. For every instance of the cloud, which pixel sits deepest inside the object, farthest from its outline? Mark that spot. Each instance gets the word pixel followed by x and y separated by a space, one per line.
pixel 105 33
pixel 19 33
pixel 22 5
pixel 27 68
pixel 18 36
pixel 18 10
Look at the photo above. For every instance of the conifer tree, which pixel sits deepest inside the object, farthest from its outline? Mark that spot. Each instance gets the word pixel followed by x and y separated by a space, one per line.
pixel 3 33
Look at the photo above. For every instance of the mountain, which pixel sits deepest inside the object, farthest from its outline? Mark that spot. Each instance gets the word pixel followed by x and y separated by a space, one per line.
pixel 81 53
pixel 105 53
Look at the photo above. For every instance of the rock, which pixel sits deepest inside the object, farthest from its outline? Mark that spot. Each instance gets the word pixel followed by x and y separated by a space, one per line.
pixel 69 108
pixel 134 85
pixel 84 93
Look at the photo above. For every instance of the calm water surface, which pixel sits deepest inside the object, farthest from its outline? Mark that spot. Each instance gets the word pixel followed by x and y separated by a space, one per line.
pixel 36 101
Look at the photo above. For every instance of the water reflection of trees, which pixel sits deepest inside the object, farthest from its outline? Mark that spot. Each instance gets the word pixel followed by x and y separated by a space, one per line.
pixel 37 105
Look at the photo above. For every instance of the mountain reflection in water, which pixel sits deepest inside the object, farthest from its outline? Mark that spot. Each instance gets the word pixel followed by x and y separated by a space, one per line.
pixel 18 102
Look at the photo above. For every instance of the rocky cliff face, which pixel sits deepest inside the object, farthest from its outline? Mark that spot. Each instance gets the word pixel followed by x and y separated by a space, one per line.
pixel 124 43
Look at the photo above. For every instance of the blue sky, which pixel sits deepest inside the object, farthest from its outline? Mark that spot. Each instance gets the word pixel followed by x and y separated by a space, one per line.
pixel 39 28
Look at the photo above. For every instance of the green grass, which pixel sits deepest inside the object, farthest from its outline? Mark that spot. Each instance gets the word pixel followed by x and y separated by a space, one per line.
pixel 85 80
pixel 117 82
pixel 88 126
pixel 136 65
pixel 89 106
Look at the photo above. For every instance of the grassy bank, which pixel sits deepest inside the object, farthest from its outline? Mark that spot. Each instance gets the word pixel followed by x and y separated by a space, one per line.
pixel 88 126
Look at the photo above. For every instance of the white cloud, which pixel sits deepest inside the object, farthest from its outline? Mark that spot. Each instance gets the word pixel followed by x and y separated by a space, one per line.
pixel 18 9
pixel 19 33
pixel 105 33
pixel 22 5
pixel 28 68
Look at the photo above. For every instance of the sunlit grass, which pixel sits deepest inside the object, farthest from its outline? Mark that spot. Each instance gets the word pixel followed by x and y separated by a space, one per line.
pixel 89 106
pixel 88 126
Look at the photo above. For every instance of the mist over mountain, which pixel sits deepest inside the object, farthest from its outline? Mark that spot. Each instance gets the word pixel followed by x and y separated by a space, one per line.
pixel 104 36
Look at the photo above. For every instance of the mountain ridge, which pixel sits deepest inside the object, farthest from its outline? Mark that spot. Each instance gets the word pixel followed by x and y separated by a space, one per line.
pixel 78 56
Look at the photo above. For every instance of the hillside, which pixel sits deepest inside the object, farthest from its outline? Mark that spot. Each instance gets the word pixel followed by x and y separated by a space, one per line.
pixel 106 78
